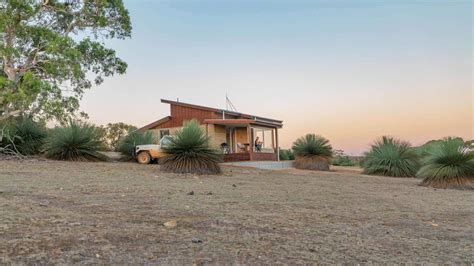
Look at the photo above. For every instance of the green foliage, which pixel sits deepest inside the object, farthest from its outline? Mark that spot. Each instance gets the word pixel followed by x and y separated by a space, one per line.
pixel 127 144
pixel 312 145
pixel 312 152
pixel 48 46
pixel 189 152
pixel 450 163
pixel 29 136
pixel 7 137
pixel 23 135
pixel 426 148
pixel 342 160
pixel 114 132
pixel 391 157
pixel 286 155
pixel 76 141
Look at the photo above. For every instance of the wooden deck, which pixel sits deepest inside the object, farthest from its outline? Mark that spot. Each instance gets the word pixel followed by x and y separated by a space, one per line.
pixel 254 156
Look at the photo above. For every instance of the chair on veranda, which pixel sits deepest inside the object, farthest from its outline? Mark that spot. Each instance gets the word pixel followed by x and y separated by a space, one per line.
pixel 241 147
pixel 225 148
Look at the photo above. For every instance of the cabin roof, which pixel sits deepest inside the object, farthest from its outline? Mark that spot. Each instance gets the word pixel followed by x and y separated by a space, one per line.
pixel 220 110
pixel 156 123
pixel 240 122
pixel 241 118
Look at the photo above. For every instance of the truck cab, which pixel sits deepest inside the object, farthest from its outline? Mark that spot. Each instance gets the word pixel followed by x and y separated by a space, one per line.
pixel 147 153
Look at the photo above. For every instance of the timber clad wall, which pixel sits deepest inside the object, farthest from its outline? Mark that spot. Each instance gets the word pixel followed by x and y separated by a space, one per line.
pixel 179 114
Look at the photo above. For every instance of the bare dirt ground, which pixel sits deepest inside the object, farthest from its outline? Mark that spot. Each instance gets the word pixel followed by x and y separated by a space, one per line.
pixel 60 212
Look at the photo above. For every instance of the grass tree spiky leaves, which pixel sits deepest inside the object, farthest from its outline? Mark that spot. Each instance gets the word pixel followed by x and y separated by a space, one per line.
pixel 312 152
pixel 76 141
pixel 189 151
pixel 450 164
pixel 391 157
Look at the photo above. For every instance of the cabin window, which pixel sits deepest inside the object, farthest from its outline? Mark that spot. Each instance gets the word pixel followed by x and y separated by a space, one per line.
pixel 164 132
pixel 265 138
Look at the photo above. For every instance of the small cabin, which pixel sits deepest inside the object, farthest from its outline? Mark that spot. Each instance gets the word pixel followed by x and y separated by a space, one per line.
pixel 240 137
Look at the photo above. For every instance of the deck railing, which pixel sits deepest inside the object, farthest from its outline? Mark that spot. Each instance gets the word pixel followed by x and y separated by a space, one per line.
pixel 246 156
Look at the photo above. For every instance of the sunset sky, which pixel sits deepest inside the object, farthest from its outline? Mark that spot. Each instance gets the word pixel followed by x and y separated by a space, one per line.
pixel 348 70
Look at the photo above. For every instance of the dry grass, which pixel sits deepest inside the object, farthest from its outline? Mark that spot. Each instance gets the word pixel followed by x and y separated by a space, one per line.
pixel 63 212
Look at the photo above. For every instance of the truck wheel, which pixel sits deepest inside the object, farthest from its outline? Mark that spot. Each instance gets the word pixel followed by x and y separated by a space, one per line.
pixel 143 157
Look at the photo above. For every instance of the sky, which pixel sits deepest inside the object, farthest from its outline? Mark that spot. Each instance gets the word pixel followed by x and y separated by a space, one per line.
pixel 351 71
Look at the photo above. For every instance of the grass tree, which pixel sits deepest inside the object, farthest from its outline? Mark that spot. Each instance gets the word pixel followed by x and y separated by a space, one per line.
pixel 286 155
pixel 449 164
pixel 76 141
pixel 312 152
pixel 391 157
pixel 189 151
pixel 29 136
pixel 23 136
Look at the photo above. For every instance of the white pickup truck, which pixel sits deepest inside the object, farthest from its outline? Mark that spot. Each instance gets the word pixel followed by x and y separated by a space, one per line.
pixel 147 153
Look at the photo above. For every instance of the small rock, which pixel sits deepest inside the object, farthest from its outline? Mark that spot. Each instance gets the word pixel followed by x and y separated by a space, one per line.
pixel 234 185
pixel 209 193
pixel 97 255
pixel 44 203
pixel 312 250
pixel 191 193
pixel 74 224
pixel 196 240
pixel 171 224
pixel 76 258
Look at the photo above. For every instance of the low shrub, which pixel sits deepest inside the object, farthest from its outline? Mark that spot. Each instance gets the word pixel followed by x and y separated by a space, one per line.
pixel 189 151
pixel 312 152
pixel 77 141
pixel 391 157
pixel 448 164
pixel 342 160
pixel 286 155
